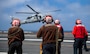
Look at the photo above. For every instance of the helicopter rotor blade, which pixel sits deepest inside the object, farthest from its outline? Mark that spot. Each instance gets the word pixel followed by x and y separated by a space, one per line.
pixel 51 11
pixel 32 9
pixel 55 10
pixel 25 13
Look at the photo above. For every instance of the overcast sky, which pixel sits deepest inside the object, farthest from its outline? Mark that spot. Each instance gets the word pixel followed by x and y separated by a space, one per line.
pixel 70 11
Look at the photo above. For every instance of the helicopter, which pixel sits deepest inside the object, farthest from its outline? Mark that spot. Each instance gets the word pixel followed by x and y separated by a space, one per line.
pixel 36 18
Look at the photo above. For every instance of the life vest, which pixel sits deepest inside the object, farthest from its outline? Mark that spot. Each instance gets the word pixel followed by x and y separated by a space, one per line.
pixel 79 31
pixel 59 26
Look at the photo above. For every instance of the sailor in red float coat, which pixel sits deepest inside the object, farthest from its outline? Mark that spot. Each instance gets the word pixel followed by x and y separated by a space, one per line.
pixel 57 23
pixel 79 32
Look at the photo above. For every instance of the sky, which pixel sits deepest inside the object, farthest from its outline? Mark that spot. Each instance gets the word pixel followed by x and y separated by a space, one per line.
pixel 70 11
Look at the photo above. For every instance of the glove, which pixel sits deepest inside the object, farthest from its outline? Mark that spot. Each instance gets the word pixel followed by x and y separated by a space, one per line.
pixel 86 38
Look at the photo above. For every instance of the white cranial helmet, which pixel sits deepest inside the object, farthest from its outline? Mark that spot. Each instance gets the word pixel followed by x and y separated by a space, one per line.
pixel 48 19
pixel 16 22
pixel 57 22
pixel 78 21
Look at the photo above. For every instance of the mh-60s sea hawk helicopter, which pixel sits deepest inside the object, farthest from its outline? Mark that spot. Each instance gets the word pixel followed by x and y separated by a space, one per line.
pixel 36 18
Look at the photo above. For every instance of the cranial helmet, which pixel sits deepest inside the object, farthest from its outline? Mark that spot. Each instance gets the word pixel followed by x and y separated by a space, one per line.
pixel 48 19
pixel 78 21
pixel 15 22
pixel 57 22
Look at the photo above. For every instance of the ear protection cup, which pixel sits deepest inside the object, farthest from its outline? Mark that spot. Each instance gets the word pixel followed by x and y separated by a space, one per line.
pixel 45 20
pixel 52 20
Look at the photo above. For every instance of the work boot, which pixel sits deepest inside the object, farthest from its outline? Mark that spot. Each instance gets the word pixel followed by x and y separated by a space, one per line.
pixel 86 50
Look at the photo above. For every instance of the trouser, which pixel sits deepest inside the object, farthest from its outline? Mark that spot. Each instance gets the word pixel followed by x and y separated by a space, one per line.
pixel 16 45
pixel 59 48
pixel 85 45
pixel 78 46
pixel 49 48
